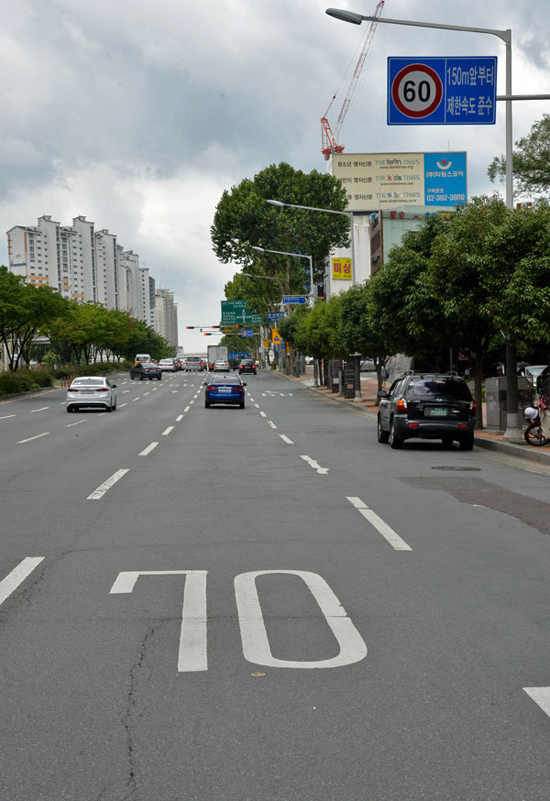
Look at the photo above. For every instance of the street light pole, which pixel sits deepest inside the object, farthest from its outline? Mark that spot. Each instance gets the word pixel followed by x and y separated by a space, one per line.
pixel 512 432
pixel 348 214
pixel 299 256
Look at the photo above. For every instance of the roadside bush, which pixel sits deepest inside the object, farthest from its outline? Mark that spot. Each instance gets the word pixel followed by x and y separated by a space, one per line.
pixel 24 381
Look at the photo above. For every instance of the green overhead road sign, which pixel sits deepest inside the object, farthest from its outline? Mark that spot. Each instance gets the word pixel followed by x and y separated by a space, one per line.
pixel 236 312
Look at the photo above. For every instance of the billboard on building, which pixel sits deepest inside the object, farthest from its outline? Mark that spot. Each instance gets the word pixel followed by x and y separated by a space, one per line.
pixel 389 180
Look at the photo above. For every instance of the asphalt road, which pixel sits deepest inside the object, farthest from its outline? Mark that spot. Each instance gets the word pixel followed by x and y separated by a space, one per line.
pixel 265 605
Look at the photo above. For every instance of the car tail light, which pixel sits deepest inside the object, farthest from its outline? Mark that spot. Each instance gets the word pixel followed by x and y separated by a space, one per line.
pixel 473 407
pixel 401 405
pixel 412 425
pixel 239 389
pixel 462 426
pixel 101 389
pixel 72 389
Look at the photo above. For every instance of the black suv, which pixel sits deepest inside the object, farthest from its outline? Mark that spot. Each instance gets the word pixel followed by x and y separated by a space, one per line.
pixel 247 366
pixel 427 406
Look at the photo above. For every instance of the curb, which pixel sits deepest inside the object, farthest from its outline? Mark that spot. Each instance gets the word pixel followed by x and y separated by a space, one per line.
pixel 522 451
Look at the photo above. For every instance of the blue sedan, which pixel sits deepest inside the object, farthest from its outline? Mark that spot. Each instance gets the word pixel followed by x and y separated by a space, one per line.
pixel 224 389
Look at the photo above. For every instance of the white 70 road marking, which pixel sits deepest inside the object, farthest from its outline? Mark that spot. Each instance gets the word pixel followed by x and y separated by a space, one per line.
pixel 192 654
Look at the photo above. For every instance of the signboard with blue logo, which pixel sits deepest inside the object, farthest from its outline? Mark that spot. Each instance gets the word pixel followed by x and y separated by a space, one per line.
pixel 247 332
pixel 442 91
pixel 393 181
pixel 294 299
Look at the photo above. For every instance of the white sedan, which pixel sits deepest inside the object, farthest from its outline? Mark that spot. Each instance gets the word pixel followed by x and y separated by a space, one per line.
pixel 168 365
pixel 221 366
pixel 91 391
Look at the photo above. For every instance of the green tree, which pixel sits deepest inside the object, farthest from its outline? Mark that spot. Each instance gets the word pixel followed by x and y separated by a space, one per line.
pixel 530 162
pixel 244 220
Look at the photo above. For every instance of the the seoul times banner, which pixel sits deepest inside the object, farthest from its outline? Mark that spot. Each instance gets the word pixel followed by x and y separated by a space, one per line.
pixel 391 180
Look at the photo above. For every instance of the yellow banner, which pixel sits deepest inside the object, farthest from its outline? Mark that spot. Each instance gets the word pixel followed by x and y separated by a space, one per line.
pixel 341 269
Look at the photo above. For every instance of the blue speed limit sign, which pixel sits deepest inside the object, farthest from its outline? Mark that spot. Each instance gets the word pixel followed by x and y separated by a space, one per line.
pixel 442 91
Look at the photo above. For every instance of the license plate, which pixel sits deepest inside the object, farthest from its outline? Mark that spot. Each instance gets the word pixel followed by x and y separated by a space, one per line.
pixel 224 389
pixel 438 411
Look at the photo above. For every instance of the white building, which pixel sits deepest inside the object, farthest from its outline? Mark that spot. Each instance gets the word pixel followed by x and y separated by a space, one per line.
pixel 166 316
pixel 83 264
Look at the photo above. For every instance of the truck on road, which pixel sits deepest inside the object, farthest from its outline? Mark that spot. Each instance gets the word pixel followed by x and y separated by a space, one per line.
pixel 216 352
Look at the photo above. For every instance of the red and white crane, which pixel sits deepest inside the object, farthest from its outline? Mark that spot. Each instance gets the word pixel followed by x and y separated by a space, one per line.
pixel 328 138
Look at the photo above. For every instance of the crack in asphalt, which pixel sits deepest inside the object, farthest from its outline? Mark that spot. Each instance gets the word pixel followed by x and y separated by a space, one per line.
pixel 135 676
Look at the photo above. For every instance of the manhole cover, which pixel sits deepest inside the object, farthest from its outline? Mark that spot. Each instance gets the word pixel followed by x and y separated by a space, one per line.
pixel 460 469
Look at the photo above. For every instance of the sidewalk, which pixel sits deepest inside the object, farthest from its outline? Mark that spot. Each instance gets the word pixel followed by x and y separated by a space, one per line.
pixel 491 440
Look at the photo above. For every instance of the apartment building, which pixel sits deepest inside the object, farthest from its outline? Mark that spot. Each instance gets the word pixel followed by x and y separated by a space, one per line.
pixel 166 316
pixel 83 264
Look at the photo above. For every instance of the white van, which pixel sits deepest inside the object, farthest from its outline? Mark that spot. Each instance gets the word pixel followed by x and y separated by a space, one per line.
pixel 142 357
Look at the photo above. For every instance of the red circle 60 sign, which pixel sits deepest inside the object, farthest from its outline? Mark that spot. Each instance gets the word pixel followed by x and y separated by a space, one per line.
pixel 417 90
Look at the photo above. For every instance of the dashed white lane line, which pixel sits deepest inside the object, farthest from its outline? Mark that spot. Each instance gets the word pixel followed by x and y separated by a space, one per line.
pixel 179 418
pixel 175 391
pixel 148 449
pixel 271 423
pixel 263 414
pixel 122 404
pixel 286 439
pixel 541 696
pixel 167 431
pixel 312 463
pixel 22 441
pixel 146 393
pixel 135 399
pixel 102 489
pixel 257 405
pixel 78 422
pixel 186 408
pixel 18 575
pixel 124 391
pixel 192 401
pixel 386 531
pixel 42 409
pixel 5 417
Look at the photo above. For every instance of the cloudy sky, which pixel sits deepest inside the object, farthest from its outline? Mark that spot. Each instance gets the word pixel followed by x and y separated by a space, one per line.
pixel 138 114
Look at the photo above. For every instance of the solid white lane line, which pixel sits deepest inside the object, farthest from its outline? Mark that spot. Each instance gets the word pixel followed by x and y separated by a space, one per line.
pixel 186 408
pixel 271 423
pixel 321 470
pixel 179 418
pixel 167 431
pixel 375 520
pixel 122 404
pixel 22 441
pixel 5 417
pixel 78 422
pixel 42 409
pixel 541 696
pixel 286 439
pixel 102 489
pixel 18 576
pixel 148 449
pixel 263 414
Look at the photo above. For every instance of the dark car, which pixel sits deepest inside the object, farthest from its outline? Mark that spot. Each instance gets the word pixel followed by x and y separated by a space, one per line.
pixel 146 370
pixel 224 389
pixel 427 406
pixel 247 366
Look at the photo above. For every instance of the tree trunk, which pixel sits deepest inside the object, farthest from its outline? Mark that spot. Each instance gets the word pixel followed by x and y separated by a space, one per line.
pixel 477 369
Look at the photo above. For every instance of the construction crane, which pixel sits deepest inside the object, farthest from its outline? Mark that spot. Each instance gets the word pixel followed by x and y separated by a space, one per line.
pixel 329 139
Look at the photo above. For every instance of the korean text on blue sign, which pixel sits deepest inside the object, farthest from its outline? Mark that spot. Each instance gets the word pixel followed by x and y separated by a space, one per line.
pixel 445 179
pixel 442 91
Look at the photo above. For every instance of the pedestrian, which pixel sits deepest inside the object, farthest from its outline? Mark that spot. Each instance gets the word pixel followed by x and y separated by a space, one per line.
pixel 383 374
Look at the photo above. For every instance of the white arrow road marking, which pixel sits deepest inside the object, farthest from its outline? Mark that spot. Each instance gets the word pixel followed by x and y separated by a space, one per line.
pixel 148 449
pixel 321 470
pixel 167 431
pixel 102 489
pixel 386 531
pixel 541 696
pixel 18 576
pixel 286 439
pixel 22 441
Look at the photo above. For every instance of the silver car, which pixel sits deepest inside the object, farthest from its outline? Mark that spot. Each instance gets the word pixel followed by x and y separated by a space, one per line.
pixel 221 366
pixel 168 365
pixel 92 392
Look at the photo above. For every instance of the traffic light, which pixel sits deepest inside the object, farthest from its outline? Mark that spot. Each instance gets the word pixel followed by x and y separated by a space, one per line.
pixel 189 326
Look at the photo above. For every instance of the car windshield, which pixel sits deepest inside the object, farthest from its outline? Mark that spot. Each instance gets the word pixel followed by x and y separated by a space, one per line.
pixel 87 382
pixel 193 359
pixel 226 379
pixel 439 386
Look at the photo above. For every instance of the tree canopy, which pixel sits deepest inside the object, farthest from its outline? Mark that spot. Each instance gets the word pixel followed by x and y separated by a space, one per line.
pixel 530 162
